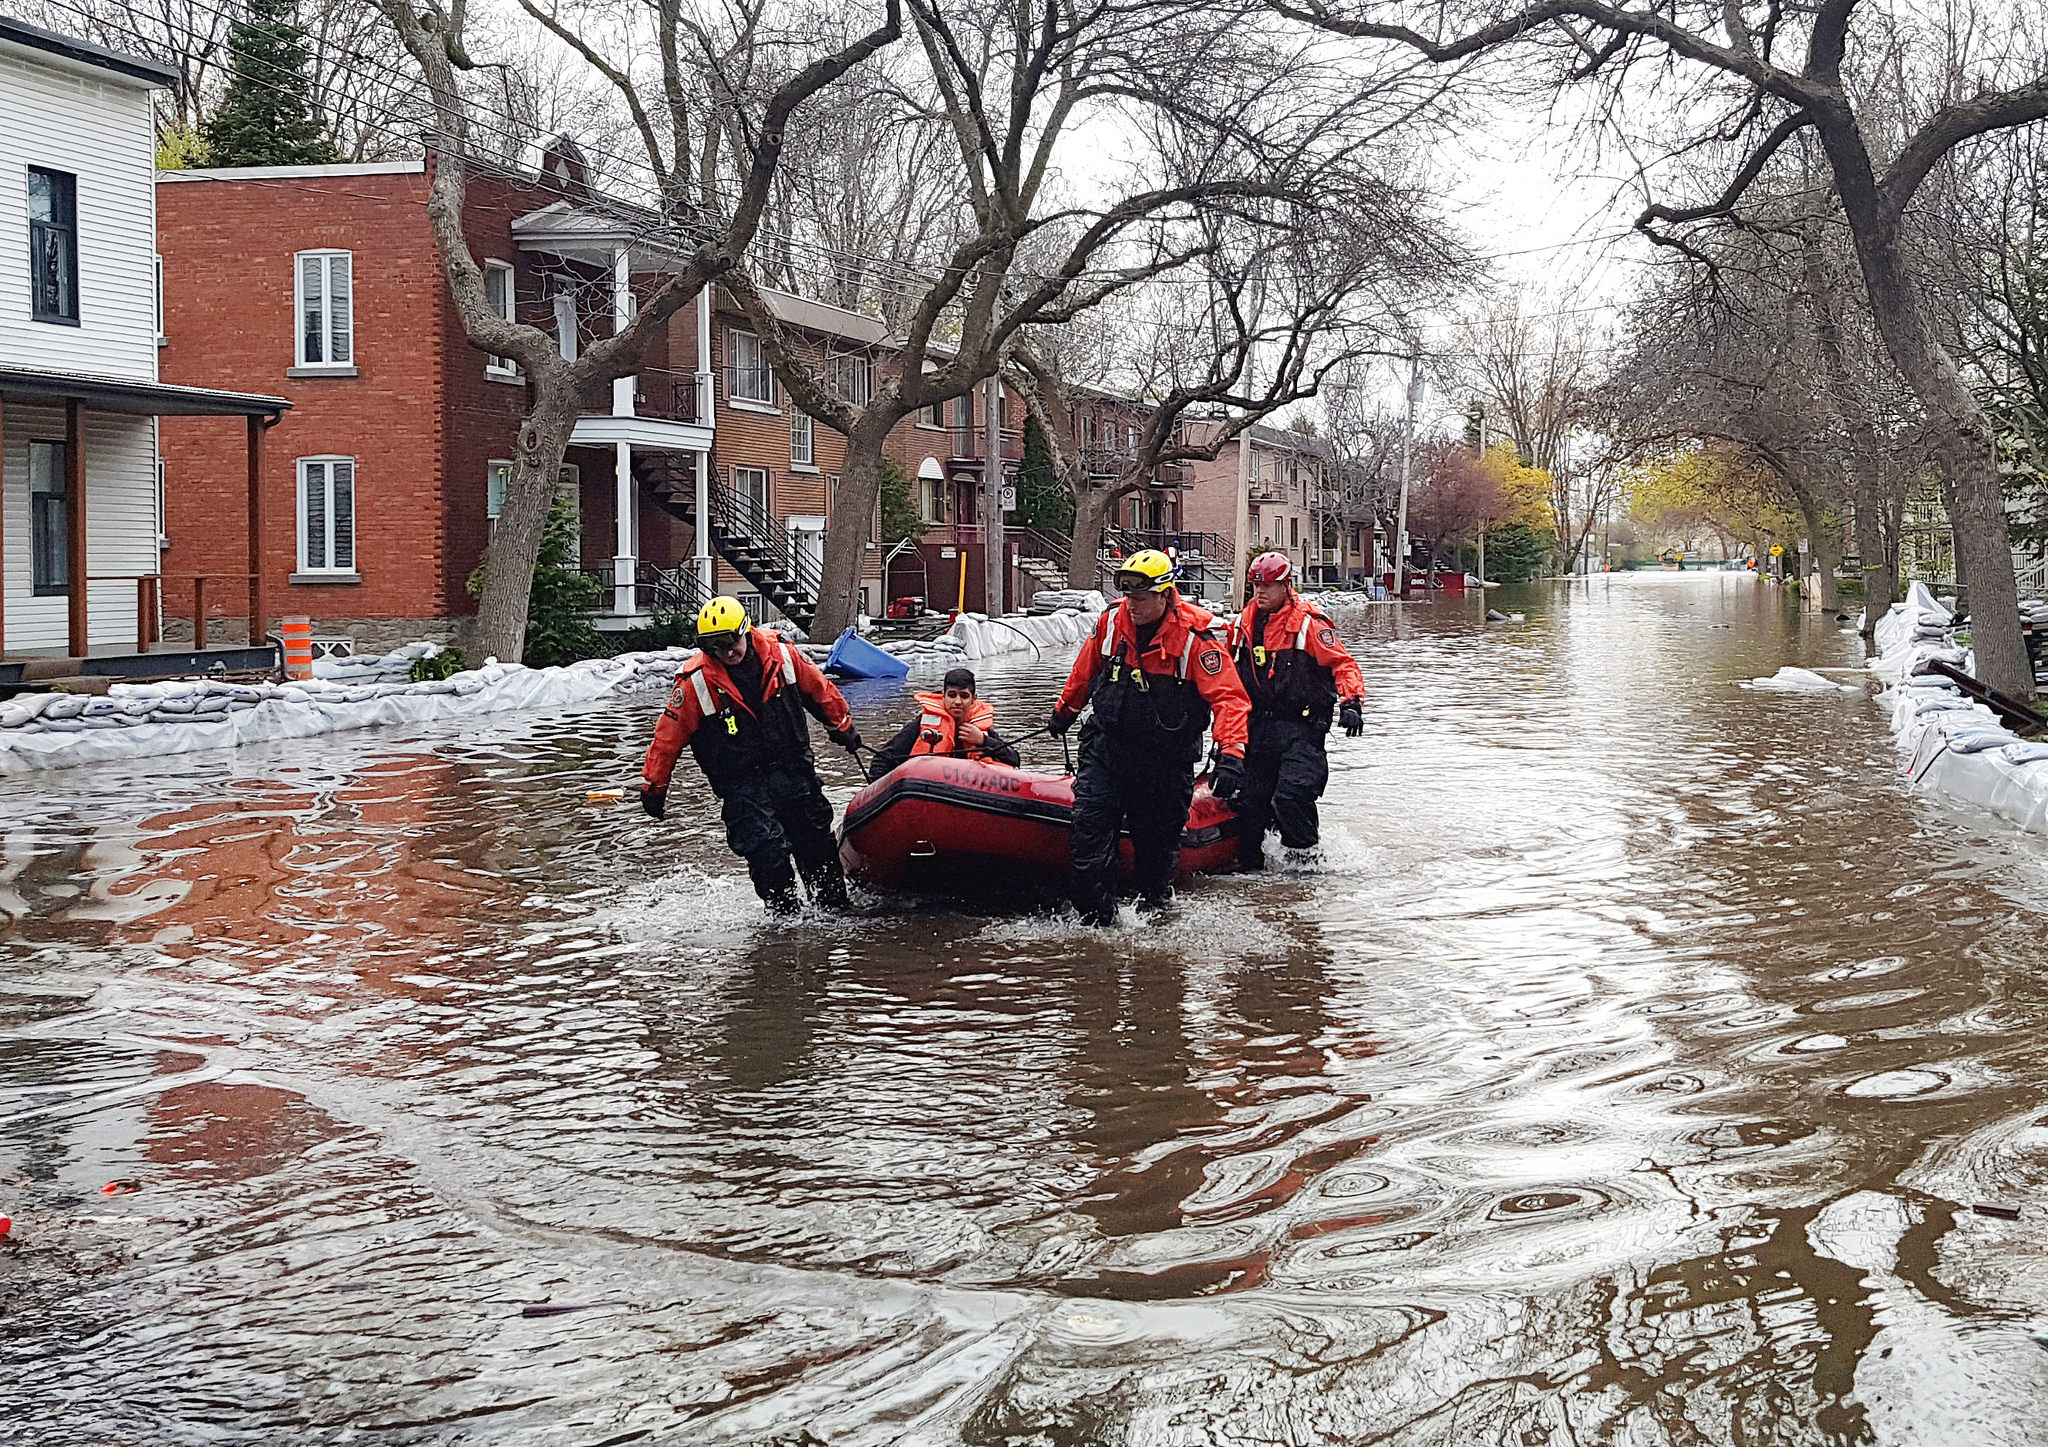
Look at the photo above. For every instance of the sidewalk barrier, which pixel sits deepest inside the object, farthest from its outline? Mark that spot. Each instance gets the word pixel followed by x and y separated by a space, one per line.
pixel 297 634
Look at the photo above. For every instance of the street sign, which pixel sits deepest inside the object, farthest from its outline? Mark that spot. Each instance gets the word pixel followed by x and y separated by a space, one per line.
pixel 1009 497
pixel 1777 550
pixel 949 552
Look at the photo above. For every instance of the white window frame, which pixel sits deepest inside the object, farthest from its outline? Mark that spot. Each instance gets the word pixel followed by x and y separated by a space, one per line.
pixel 846 369
pixel 163 513
pixel 157 273
pixel 759 368
pixel 568 483
pixel 566 338
pixel 767 498
pixel 328 362
pixel 326 567
pixel 501 369
pixel 803 442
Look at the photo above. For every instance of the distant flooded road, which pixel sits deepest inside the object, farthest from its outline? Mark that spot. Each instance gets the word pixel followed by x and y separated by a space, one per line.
pixel 1628 1075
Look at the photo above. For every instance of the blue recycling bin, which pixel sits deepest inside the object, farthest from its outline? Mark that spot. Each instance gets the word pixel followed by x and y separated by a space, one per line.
pixel 854 657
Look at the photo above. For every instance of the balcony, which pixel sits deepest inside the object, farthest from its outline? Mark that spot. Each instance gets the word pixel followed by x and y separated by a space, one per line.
pixel 969 443
pixel 672 395
pixel 671 410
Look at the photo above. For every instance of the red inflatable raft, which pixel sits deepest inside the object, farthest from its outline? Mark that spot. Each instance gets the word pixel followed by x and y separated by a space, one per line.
pixel 954 826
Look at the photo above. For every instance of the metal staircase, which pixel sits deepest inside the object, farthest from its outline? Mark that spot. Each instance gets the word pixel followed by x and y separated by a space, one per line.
pixel 1205 558
pixel 743 533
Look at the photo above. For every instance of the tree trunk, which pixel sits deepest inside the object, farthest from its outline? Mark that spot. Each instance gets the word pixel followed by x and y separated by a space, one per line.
pixel 1092 507
pixel 1957 429
pixel 515 545
pixel 1813 513
pixel 1876 552
pixel 846 530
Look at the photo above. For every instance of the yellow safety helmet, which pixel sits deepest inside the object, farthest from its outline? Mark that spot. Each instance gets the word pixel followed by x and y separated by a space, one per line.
pixel 1148 572
pixel 719 622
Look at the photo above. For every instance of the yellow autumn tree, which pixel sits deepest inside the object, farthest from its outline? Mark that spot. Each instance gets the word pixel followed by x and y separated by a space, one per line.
pixel 1682 497
pixel 1525 491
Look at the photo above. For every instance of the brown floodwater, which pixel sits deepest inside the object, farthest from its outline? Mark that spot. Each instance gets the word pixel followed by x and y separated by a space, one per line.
pixel 1628 1072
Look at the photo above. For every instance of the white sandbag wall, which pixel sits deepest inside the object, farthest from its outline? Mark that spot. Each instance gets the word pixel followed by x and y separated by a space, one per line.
pixel 1950 744
pixel 975 636
pixel 142 720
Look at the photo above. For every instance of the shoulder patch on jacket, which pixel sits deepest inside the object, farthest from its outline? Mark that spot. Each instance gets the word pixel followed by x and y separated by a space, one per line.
pixel 1327 636
pixel 1211 660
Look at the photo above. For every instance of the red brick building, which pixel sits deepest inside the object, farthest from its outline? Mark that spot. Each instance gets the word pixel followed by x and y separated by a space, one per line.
pixel 321 284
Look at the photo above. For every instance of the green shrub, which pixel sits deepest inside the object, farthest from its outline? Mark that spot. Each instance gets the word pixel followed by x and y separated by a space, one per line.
pixel 445 664
pixel 558 626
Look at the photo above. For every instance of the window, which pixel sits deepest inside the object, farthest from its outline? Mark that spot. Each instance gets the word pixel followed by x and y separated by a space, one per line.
pixel 157 272
pixel 565 325
pixel 1131 440
pixel 327 515
pixel 53 246
pixel 751 483
pixel 49 500
pixel 852 379
pixel 801 440
pixel 930 498
pixel 500 290
pixel 932 416
pixel 1294 532
pixel 163 541
pixel 751 379
pixel 326 307
pixel 498 478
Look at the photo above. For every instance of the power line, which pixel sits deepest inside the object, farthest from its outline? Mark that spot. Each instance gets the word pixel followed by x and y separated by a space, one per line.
pixel 895 272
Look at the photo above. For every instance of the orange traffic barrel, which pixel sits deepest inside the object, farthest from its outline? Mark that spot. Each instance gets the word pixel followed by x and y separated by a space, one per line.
pixel 298 646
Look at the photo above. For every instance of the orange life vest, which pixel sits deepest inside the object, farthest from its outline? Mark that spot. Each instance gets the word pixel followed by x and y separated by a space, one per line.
pixel 935 728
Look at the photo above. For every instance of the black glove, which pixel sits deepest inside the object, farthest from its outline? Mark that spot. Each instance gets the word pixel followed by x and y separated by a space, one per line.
pixel 847 738
pixel 1228 783
pixel 1351 718
pixel 653 802
pixel 1061 721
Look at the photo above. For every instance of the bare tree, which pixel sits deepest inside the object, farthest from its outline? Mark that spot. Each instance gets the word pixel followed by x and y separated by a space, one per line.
pixel 1216 119
pixel 1769 72
pixel 1277 310
pixel 707 244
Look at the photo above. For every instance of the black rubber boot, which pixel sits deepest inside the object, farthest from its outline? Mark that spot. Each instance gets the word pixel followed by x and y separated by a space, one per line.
pixel 827 884
pixel 774 881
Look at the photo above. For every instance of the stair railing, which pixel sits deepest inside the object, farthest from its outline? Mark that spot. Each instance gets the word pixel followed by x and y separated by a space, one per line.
pixel 745 519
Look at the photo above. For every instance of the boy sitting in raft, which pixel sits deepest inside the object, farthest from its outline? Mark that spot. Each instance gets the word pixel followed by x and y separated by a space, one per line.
pixel 955 723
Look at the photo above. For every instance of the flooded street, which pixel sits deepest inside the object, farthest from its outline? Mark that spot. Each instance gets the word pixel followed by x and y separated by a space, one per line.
pixel 1627 1074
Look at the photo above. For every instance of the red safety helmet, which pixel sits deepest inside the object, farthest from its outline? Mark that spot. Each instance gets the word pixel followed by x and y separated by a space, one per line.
pixel 1271 568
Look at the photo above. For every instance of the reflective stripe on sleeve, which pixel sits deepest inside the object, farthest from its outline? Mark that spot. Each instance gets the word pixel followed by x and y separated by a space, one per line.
pixel 705 706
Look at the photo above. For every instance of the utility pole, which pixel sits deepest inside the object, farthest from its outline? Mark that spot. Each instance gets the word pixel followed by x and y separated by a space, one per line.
pixel 992 499
pixel 1407 460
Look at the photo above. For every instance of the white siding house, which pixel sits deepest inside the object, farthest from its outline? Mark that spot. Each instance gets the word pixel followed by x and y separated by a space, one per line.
pixel 79 399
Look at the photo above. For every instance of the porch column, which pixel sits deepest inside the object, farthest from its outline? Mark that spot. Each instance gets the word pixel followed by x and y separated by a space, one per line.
pixel 703 524
pixel 74 498
pixel 625 561
pixel 622 315
pixel 259 615
pixel 707 404
pixel 1243 528
pixel 3 528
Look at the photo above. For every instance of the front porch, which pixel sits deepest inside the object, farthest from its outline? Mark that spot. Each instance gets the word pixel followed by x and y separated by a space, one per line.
pixel 80 483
